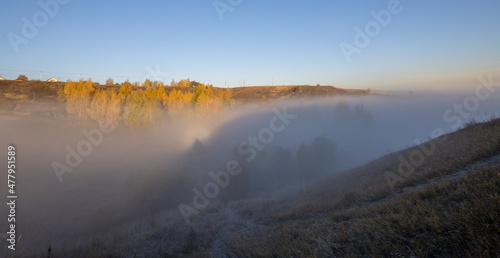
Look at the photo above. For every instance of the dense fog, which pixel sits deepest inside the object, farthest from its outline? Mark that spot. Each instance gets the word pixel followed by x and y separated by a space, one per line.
pixel 261 149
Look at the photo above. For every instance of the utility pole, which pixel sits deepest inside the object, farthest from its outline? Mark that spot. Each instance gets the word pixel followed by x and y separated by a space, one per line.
pixel 243 83
pixel 225 84
pixel 40 75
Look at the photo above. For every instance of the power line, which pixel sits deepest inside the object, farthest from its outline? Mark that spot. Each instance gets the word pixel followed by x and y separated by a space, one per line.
pixel 79 75
pixel 101 77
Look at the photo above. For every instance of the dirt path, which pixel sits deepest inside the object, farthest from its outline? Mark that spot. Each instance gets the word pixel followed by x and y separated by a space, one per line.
pixel 455 175
pixel 234 223
pixel 221 246
pixel 495 160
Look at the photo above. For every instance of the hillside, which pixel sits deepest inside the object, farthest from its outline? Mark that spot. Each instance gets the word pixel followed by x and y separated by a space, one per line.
pixel 25 98
pixel 22 98
pixel 448 207
pixel 440 198
pixel 272 93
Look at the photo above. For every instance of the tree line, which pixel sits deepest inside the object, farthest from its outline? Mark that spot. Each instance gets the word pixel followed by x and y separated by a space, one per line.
pixel 144 107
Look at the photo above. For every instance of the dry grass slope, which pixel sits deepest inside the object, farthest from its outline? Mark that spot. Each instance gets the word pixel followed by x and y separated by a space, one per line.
pixel 357 214
pixel 368 184
pixel 352 214
pixel 453 219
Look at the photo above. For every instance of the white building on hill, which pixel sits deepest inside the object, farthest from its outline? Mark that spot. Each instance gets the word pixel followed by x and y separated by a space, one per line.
pixel 2 79
pixel 52 80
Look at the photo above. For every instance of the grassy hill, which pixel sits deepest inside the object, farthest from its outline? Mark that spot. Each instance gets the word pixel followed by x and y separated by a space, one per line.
pixel 23 98
pixel 272 93
pixel 441 198
pixel 448 206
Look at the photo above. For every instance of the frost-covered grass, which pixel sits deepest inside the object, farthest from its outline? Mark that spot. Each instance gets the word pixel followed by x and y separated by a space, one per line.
pixel 355 213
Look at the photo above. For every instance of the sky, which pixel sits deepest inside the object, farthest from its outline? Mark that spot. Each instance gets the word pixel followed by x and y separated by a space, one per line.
pixel 230 43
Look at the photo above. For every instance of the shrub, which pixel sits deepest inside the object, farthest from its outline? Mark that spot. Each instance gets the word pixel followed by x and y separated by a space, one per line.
pixel 22 77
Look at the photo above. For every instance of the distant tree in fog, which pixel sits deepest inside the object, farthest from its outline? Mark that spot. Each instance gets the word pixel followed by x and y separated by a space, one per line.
pixel 282 162
pixel 343 110
pixel 302 160
pixel 317 158
pixel 362 115
pixel 357 116
pixel 322 150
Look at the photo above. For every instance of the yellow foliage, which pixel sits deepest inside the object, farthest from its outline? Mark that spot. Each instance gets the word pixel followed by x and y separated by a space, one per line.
pixel 113 110
pixel 99 106
pixel 184 83
pixel 225 97
pixel 141 108
pixel 125 90
pixel 78 96
pixel 178 102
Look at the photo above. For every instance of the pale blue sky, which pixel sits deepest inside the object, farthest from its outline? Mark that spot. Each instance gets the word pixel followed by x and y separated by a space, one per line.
pixel 429 44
